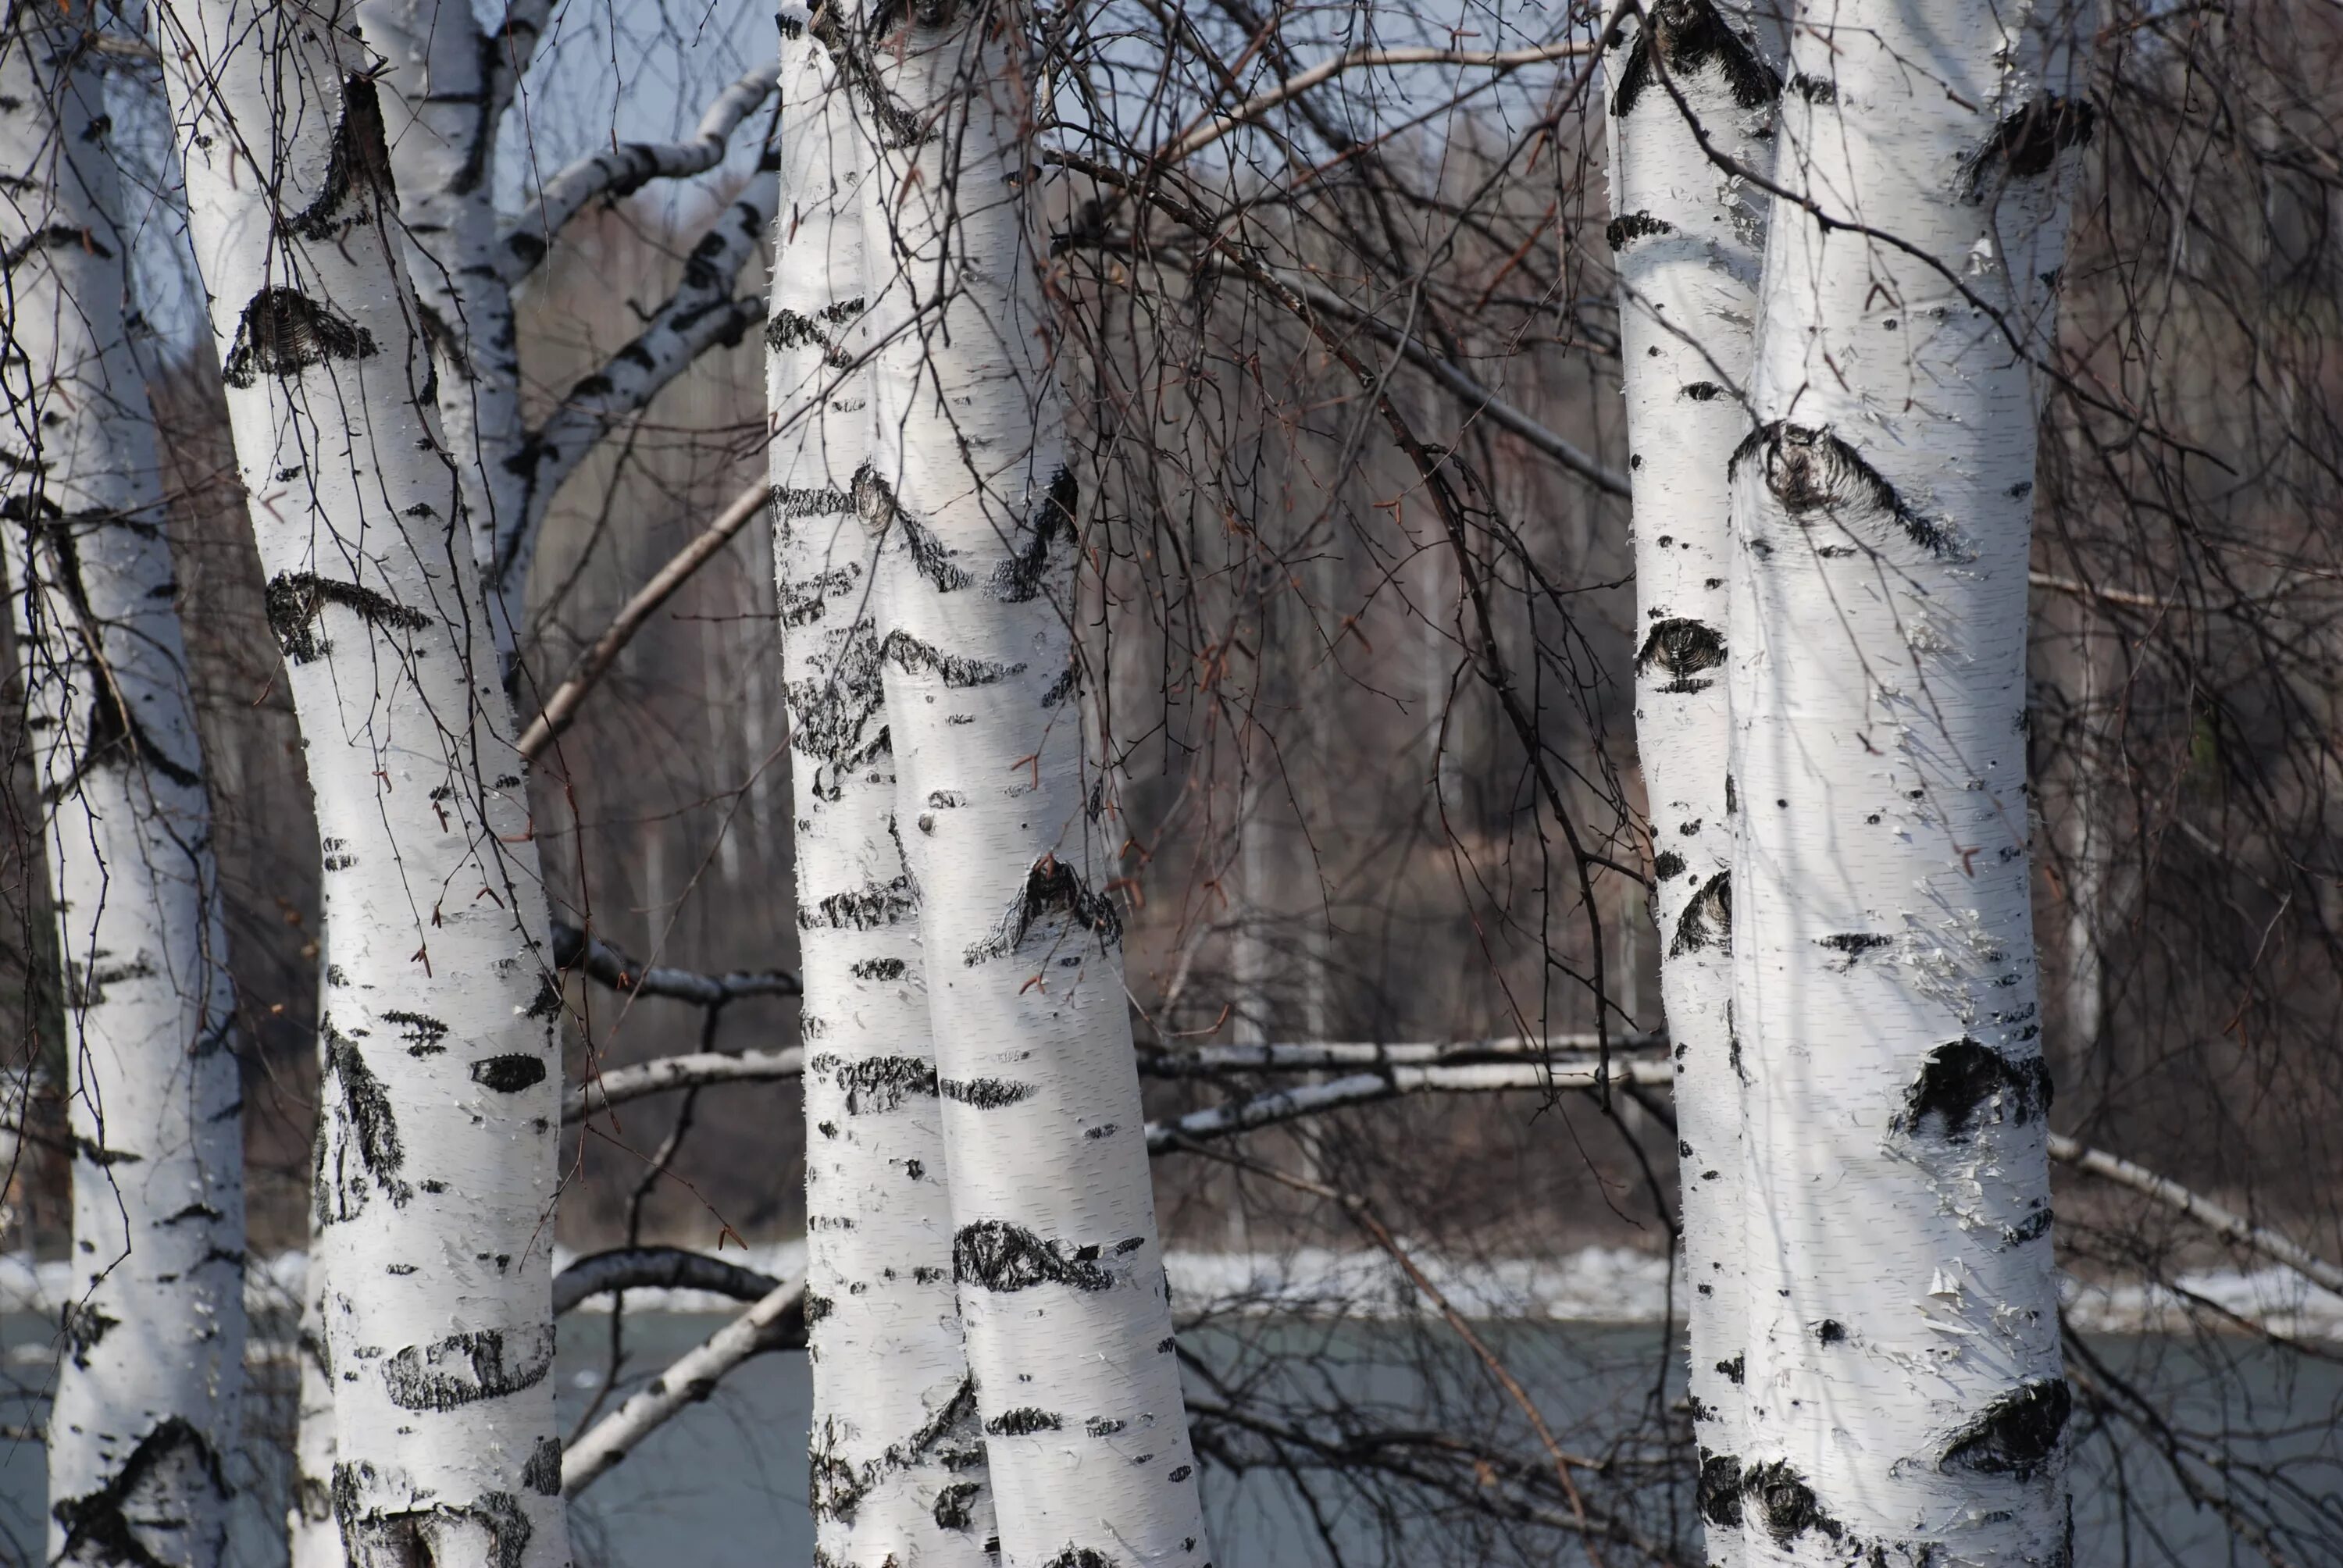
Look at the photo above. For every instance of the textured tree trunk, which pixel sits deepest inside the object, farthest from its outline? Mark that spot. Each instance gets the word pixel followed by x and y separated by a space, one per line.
pixel 1059 1271
pixel 1903 1394
pixel 1686 236
pixel 435 1163
pixel 898 1473
pixel 444 89
pixel 146 1397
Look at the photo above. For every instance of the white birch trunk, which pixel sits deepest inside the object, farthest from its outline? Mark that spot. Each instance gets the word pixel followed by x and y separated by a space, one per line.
pixel 1059 1269
pixel 1905 1399
pixel 898 1462
pixel 1686 237
pixel 444 92
pixel 146 1396
pixel 436 1167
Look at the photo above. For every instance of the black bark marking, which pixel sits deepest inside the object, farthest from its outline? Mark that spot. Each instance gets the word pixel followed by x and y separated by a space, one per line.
pixel 1964 1083
pixel 1055 892
pixel 548 1003
pixel 1831 1331
pixel 542 1473
pixel 1786 1505
pixel 421 1033
pixel 877 969
pixel 1691 35
pixel 2028 143
pixel 1702 391
pixel 1735 1370
pixel 464 1369
pixel 952 1510
pixel 805 601
pixel 1064 686
pixel 359 165
pixel 1815 89
pixel 2018 1434
pixel 881 510
pixel 1668 864
pixel 865 909
pixel 818 1307
pixel 1083 1557
pixel 793 329
pixel 365 1122
pixel 296 599
pixel 508 1074
pixel 85 1326
pixel 833 713
pixel 283 332
pixel 1682 648
pixel 2032 1228
pixel 1854 944
pixel 877 1084
pixel 1707 920
pixel 1811 470
pixel 1620 231
pixel 1023 1422
pixel 1018 578
pixel 149 1489
pixel 909 653
pixel 987 1094
pixel 1003 1257
pixel 410 1535
pixel 1719 1491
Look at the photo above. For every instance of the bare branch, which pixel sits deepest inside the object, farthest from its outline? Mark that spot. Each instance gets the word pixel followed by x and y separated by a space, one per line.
pixel 608 965
pixel 656 1267
pixel 2229 1226
pixel 615 172
pixel 1366 1088
pixel 775 1322
pixel 596 662
pixel 673 1072
pixel 1293 86
pixel 1313 1056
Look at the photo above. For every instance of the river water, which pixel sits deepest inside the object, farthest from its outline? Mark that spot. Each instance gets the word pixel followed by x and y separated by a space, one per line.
pixel 724 1485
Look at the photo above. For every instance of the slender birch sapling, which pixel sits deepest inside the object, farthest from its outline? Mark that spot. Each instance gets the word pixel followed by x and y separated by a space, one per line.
pixel 146 1397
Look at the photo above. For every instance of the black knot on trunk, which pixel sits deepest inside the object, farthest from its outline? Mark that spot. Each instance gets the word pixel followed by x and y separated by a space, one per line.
pixel 2028 142
pixel 1634 225
pixel 1966 1083
pixel 1023 1422
pixel 1707 920
pixel 282 332
pixel 1683 648
pixel 1000 1256
pixel 1054 894
pixel 1786 1505
pixel 508 1074
pixel 1690 37
pixel 1719 1493
pixel 2018 1434
pixel 1809 471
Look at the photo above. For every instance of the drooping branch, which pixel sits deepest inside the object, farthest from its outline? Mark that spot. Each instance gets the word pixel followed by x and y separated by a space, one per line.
pixel 2229 1226
pixel 1313 1056
pixel 608 965
pixel 703 313
pixel 670 1073
pixel 775 1322
pixel 524 238
pixel 596 662
pixel 656 1267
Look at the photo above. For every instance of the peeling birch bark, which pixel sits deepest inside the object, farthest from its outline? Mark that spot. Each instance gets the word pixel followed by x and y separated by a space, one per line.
pixel 1903 1385
pixel 1056 1254
pixel 897 1463
pixel 147 1393
pixel 1686 236
pixel 435 1163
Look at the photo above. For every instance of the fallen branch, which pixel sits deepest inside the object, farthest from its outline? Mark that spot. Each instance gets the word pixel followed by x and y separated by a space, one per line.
pixel 2230 1227
pixel 607 965
pixel 775 1322
pixel 596 662
pixel 1560 1050
pixel 669 1073
pixel 656 1267
pixel 1367 1088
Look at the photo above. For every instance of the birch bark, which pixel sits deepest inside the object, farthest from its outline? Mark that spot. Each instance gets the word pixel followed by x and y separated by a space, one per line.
pixel 898 1473
pixel 1904 1398
pixel 146 1397
pixel 1055 1250
pixel 1686 236
pixel 436 1157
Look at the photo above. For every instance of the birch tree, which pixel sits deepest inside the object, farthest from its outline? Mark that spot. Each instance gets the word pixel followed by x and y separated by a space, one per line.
pixel 1686 233
pixel 436 1159
pixel 146 1397
pixel 898 1472
pixel 1904 1393
pixel 1054 1251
